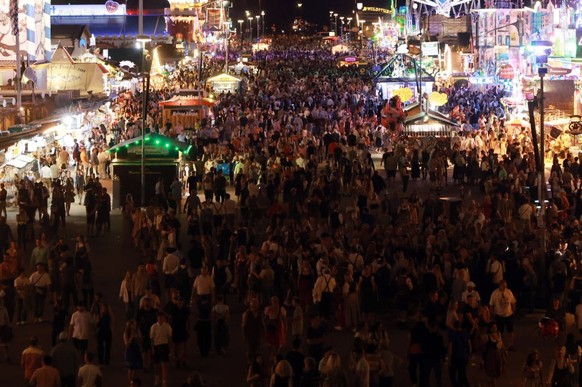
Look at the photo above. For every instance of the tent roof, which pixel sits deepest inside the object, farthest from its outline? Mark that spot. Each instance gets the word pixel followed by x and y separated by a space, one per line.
pixel 153 139
pixel 187 101
pixel 428 117
pixel 223 78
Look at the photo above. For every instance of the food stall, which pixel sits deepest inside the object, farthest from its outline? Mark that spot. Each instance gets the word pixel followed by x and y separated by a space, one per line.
pixel 186 111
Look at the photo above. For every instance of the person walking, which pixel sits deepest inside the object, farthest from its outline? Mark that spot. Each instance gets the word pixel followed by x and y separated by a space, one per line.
pixel 502 304
pixel 161 336
pixel 459 351
pixel 47 375
pixel 89 374
pixel 133 354
pixel 253 328
pixel 104 335
pixel 40 281
pixel 31 358
pixel 80 328
pixel 65 360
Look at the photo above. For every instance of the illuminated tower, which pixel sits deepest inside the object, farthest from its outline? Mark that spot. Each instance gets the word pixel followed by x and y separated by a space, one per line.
pixel 184 18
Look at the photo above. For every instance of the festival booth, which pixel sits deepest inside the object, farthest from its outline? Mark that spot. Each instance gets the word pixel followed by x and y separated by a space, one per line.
pixel 187 110
pixel 162 157
pixel 224 83
pixel 424 121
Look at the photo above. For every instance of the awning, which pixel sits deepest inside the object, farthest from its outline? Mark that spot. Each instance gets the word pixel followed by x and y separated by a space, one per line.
pixel 153 139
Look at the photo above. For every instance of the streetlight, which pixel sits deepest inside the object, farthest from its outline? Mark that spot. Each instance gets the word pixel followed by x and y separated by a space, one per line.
pixel 240 27
pixel 258 17
pixel 342 27
pixel 330 21
pixel 349 19
pixel 335 24
pixel 263 16
pixel 250 19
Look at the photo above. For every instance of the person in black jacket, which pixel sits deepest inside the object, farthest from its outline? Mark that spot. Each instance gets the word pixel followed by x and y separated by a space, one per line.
pixel 433 355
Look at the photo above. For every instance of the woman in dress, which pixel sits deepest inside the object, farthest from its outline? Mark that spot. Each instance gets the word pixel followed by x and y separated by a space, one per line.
pixel 256 372
pixel 562 371
pixel 351 302
pixel 367 290
pixel 533 370
pixel 493 359
pixel 275 329
pixel 283 375
pixel 69 194
pixel 104 335
pixel 133 355
pixel 305 282
pixel 415 165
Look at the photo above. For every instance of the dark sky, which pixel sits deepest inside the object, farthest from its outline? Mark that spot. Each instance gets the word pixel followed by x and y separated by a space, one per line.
pixel 280 12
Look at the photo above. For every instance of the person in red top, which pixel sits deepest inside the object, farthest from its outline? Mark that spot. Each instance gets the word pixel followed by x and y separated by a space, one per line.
pixel 31 358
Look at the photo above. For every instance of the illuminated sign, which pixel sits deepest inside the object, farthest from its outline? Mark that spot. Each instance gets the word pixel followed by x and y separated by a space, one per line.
pixel 111 6
pixel 377 9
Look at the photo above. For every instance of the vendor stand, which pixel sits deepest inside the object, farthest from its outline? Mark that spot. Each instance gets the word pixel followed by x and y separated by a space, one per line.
pixel 224 83
pixel 186 111
pixel 162 157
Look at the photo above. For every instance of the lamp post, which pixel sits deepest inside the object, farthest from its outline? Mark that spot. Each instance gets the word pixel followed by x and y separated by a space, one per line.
pixel 342 27
pixel 335 24
pixel 349 19
pixel 250 29
pixel 263 18
pixel 142 39
pixel 240 28
pixel 330 21
pixel 258 17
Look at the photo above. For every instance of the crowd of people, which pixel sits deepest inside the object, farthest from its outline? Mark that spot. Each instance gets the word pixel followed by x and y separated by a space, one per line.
pixel 309 236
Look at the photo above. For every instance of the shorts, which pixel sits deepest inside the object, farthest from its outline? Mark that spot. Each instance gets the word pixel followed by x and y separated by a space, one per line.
pixel 504 322
pixel 161 353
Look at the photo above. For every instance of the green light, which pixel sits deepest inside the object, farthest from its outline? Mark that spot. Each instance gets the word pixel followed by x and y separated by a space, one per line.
pixel 127 145
pixel 147 139
pixel 188 150
pixel 157 141
pixel 177 148
pixel 167 145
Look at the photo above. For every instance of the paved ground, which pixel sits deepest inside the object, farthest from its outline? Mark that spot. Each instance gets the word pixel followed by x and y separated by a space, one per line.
pixel 111 257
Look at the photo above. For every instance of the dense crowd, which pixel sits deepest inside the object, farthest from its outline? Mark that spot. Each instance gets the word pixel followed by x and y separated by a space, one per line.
pixel 307 234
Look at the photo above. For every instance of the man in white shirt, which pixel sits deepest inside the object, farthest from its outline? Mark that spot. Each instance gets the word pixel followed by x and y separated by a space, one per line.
pixel 170 267
pixel 80 328
pixel 161 336
pixel 40 281
pixel 89 374
pixel 203 285
pixel 476 298
pixel 502 305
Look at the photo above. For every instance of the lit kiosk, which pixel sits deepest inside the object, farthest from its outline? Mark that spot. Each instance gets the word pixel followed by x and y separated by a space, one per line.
pixel 162 157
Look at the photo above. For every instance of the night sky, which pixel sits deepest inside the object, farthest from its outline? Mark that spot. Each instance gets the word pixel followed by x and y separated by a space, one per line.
pixel 280 12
